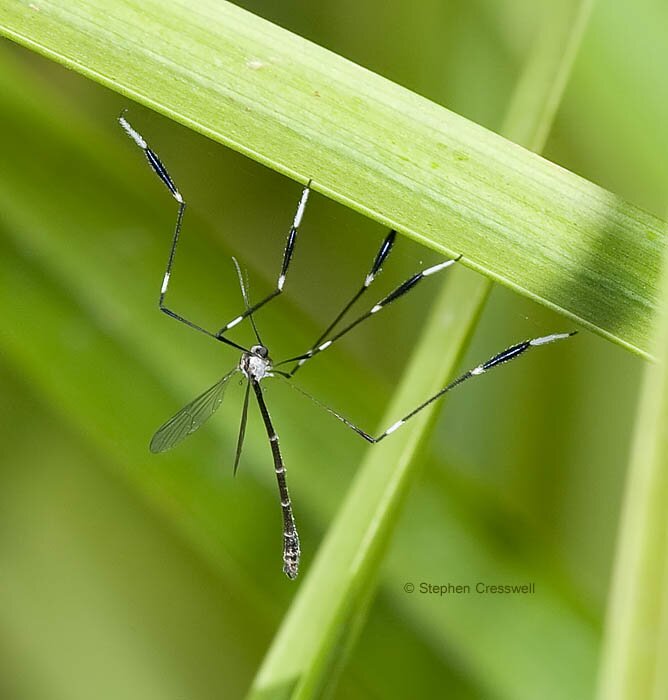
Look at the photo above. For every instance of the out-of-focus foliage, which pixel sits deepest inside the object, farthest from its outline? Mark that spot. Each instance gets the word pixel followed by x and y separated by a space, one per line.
pixel 135 576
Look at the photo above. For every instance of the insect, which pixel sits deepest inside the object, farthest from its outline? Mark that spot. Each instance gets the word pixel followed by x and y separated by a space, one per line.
pixel 256 364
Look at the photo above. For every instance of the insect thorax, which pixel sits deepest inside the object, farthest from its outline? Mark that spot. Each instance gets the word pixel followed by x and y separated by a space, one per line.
pixel 256 364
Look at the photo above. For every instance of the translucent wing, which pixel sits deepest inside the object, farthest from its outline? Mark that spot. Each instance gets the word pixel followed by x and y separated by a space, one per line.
pixel 190 417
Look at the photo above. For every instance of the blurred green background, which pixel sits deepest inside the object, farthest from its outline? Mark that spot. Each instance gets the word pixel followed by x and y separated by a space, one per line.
pixel 127 575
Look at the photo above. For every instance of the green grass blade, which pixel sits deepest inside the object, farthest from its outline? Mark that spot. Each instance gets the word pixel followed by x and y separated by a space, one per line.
pixel 305 650
pixel 370 144
pixel 542 83
pixel 320 627
pixel 635 650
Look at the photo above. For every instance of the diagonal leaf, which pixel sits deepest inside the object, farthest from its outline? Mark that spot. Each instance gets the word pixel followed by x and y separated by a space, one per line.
pixel 370 144
pixel 339 582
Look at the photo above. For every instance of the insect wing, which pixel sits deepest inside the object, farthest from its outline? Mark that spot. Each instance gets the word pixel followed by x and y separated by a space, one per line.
pixel 190 417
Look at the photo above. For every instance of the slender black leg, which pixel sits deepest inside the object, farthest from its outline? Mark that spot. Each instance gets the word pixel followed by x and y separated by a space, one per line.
pixel 160 170
pixel 287 257
pixel 381 255
pixel 291 551
pixel 509 354
pixel 242 429
pixel 402 289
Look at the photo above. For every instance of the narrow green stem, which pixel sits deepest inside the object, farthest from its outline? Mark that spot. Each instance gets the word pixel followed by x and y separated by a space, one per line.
pixel 635 647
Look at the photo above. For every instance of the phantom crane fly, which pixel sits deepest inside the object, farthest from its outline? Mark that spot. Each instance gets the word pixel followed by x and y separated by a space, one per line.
pixel 256 364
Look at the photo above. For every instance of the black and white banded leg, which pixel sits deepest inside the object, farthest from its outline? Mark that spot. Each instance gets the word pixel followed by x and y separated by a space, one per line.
pixel 501 358
pixel 291 550
pixel 381 255
pixel 160 170
pixel 402 289
pixel 287 257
